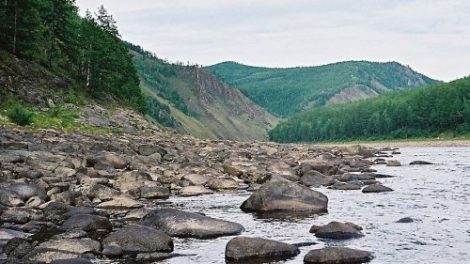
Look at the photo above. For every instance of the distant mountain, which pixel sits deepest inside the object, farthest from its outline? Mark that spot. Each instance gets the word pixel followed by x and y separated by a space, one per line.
pixel 286 91
pixel 194 101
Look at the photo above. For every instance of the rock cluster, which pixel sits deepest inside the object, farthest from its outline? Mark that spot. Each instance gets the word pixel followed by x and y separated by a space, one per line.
pixel 82 196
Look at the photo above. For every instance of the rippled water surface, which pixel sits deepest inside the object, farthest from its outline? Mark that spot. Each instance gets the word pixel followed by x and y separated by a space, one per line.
pixel 437 196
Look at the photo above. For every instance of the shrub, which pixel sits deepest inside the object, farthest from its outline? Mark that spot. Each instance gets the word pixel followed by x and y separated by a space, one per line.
pixel 20 115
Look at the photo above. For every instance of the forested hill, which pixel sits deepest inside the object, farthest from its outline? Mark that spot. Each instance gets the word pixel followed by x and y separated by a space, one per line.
pixel 85 53
pixel 443 108
pixel 286 91
pixel 195 102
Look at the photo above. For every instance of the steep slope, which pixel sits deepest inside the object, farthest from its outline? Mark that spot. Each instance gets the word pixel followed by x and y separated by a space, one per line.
pixel 427 112
pixel 285 91
pixel 199 102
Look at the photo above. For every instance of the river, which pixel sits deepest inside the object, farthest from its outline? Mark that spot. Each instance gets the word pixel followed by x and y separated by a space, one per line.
pixel 436 196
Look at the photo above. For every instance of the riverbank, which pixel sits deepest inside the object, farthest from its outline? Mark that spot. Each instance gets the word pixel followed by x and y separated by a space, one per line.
pixel 400 143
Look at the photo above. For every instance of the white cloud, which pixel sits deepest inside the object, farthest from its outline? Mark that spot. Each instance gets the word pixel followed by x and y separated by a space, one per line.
pixel 428 35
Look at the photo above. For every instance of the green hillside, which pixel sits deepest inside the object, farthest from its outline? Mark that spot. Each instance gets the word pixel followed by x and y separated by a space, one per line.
pixel 442 108
pixel 193 101
pixel 286 91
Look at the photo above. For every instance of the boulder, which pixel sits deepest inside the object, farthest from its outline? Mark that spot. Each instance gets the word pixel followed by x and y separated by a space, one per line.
pixel 72 261
pixel 103 192
pixel 222 184
pixel 283 195
pixel 194 191
pixel 147 150
pixel 10 198
pixel 26 191
pixel 316 179
pixel 196 179
pixel 137 238
pixel 243 249
pixel 63 249
pixel 337 255
pixel 114 160
pixel 376 188
pixel 156 192
pixel 185 224
pixel 337 230
pixel 86 222
pixel 324 166
pixel 344 186
pixel 120 202
pixel 405 220
pixel 232 170
pixel 131 180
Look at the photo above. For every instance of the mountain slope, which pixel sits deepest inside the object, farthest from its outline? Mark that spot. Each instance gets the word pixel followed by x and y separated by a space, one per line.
pixel 427 112
pixel 199 102
pixel 285 91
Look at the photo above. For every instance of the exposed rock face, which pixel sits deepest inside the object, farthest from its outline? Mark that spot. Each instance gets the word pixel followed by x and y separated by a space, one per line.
pixel 337 255
pixel 185 224
pixel 136 238
pixel 337 230
pixel 283 195
pixel 243 249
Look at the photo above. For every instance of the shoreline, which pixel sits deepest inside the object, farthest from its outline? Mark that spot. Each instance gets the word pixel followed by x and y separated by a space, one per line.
pixel 404 143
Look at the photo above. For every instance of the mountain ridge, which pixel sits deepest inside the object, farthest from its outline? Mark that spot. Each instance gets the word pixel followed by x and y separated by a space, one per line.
pixel 286 91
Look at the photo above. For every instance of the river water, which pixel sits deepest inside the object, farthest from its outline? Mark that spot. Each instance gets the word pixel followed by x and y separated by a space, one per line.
pixel 436 196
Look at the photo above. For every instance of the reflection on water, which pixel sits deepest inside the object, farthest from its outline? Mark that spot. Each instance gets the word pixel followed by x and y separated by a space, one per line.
pixel 435 196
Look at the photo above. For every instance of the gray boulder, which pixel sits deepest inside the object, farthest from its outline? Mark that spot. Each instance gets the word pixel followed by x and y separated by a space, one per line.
pixel 137 238
pixel 337 230
pixel 185 224
pixel 337 255
pixel 243 249
pixel 283 195
pixel 376 188
pixel 86 222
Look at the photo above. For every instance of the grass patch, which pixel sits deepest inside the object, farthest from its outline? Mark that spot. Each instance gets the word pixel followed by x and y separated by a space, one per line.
pixel 20 115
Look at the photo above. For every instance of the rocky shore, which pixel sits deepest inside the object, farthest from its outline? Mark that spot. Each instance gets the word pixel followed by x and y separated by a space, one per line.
pixel 74 197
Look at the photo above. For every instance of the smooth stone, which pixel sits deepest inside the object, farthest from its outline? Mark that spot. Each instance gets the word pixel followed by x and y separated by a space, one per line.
pixel 194 191
pixel 196 179
pixel 120 202
pixel 283 195
pixel 344 186
pixel 26 191
pixel 337 255
pixel 337 230
pixel 10 198
pixel 103 192
pixel 79 246
pixel 405 220
pixel 86 222
pixel 242 249
pixel 393 163
pixel 376 188
pixel 186 224
pixel 131 180
pixel 316 179
pixel 112 251
pixel 137 238
pixel 156 192
pixel 222 184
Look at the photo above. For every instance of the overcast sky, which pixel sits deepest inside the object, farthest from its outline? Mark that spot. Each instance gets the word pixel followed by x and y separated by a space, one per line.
pixel 433 37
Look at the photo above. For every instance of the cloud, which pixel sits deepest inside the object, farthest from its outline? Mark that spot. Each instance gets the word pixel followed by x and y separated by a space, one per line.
pixel 428 35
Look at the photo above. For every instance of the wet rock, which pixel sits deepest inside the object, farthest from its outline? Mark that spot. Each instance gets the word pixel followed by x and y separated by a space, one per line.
pixel 136 238
pixel 420 162
pixel 376 188
pixel 393 163
pixel 156 192
pixel 282 195
pixel 194 191
pixel 337 230
pixel 405 220
pixel 243 249
pixel 337 255
pixel 222 184
pixel 86 222
pixel 316 179
pixel 185 224
pixel 344 186
pixel 62 249
pixel 120 202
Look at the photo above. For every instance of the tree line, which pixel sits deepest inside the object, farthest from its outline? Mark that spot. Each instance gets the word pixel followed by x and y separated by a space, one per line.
pixel 421 112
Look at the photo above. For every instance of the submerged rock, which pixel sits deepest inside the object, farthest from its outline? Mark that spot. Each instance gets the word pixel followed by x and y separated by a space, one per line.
pixel 405 220
pixel 242 249
pixel 337 230
pixel 185 224
pixel 376 188
pixel 283 195
pixel 420 162
pixel 337 255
